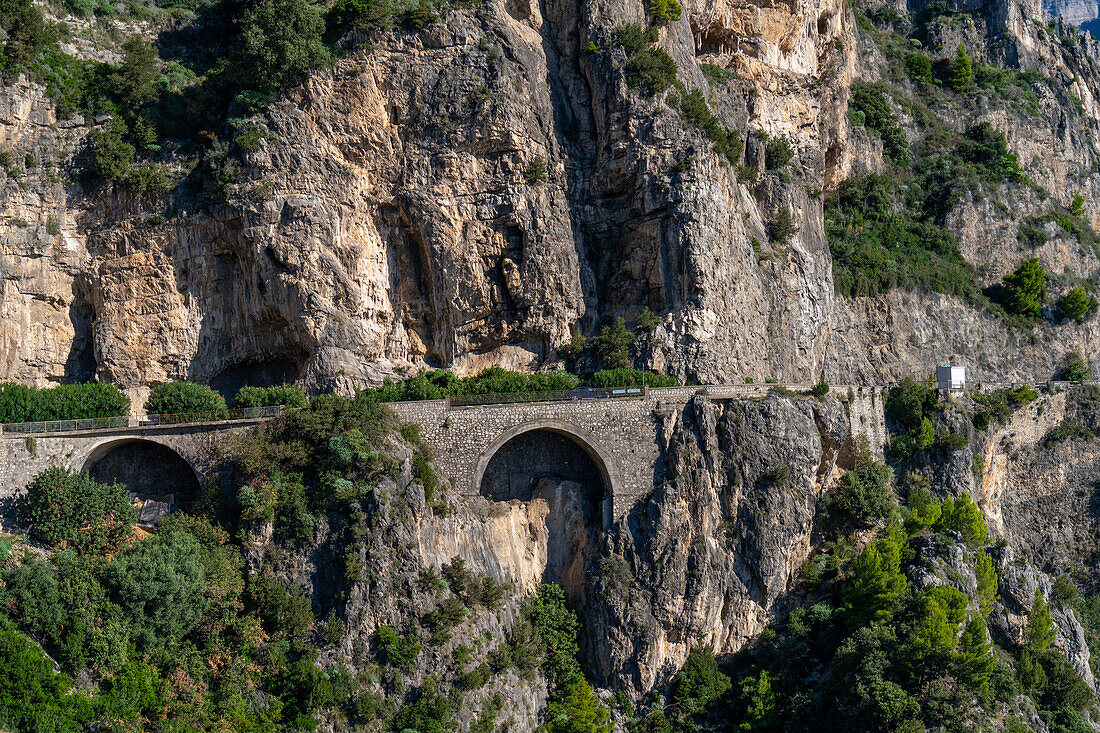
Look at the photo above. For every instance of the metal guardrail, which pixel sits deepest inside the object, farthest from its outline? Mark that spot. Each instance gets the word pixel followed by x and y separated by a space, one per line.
pixel 557 395
pixel 108 423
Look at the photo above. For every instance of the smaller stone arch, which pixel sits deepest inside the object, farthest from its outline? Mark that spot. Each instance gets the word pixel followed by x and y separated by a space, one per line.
pixel 151 469
pixel 580 437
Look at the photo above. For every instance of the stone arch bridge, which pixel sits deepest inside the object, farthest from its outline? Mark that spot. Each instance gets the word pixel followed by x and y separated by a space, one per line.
pixel 616 439
pixel 495 450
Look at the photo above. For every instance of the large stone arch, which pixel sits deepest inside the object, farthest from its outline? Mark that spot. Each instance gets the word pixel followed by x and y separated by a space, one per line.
pixel 580 437
pixel 153 469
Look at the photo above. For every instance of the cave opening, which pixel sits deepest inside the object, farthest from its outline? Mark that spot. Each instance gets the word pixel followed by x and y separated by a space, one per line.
pixel 158 477
pixel 569 475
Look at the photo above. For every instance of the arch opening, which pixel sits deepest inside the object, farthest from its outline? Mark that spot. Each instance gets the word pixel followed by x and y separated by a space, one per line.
pixel 158 477
pixel 568 473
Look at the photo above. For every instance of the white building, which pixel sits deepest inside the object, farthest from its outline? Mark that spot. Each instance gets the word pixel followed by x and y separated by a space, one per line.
pixel 950 377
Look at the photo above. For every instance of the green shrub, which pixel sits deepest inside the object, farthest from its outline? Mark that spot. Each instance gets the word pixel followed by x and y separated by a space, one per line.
pixel 1064 592
pixel 986 147
pixel 607 378
pixel 535 172
pixel 819 390
pixel 33 697
pixel 1040 626
pixel 1029 236
pixel 1077 304
pixel 280 43
pixel 400 651
pixel 908 402
pixel 1066 430
pixel 647 67
pixel 360 15
pixel 158 585
pixel 20 403
pixel 1074 369
pixel 696 111
pixel 869 100
pixel 285 395
pixel 963 516
pixel 782 227
pixel 876 248
pixel 862 497
pixel 919 67
pixel 777 153
pixel 177 398
pixel 68 509
pixel 718 74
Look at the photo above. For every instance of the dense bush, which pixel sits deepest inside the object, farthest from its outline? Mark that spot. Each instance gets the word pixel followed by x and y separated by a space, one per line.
pixel 630 378
pixel 961 71
pixel 359 15
pixel 647 67
pixel 862 497
pixel 71 510
pixel 20 403
pixel 700 682
pixel 280 43
pixel 663 11
pixel 177 398
pixel 285 395
pixel 33 696
pixel 876 248
pixel 869 101
pixel 158 584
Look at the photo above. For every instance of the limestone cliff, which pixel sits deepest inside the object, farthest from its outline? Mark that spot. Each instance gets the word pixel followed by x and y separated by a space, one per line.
pixel 384 219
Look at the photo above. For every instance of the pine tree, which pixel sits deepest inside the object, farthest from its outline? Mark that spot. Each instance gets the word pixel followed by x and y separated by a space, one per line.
pixel 1040 625
pixel 975 661
pixel 987 582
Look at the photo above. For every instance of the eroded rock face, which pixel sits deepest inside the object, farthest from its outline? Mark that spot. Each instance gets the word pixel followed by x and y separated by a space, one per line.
pixel 386 218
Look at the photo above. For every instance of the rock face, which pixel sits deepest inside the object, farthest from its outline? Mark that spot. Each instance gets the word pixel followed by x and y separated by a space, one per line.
pixel 386 220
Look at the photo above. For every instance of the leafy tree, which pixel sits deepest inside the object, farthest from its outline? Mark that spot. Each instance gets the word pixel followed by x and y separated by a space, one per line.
pixel 113 156
pixel 27 35
pixel 555 629
pixel 575 347
pixel 158 584
pixel 1077 304
pixel 1077 208
pixel 919 67
pixel 647 321
pixel 20 403
pixel 1040 625
pixel 177 398
pixel 909 402
pixel 961 71
pixel 33 697
pixel 925 434
pixel 280 43
pixel 760 704
pixel 975 663
pixel 862 497
pixel 1063 592
pixel 398 650
pixel 68 509
pixel 613 345
pixel 1025 289
pixel 700 683
pixel 985 146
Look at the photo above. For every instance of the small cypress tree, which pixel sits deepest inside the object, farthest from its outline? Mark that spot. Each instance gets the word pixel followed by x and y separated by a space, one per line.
pixel 962 70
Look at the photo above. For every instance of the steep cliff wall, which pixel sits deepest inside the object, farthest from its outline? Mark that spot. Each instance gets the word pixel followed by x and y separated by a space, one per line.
pixel 384 219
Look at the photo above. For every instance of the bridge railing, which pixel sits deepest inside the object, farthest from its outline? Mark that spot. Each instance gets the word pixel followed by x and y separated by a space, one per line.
pixel 107 423
pixel 557 395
